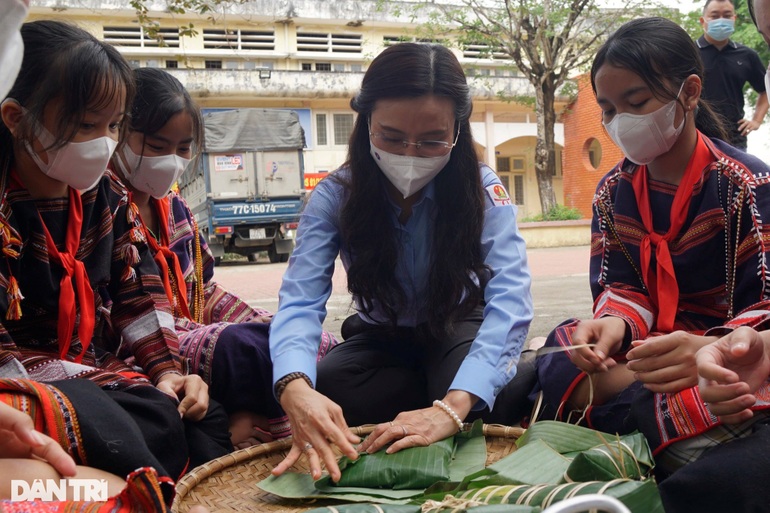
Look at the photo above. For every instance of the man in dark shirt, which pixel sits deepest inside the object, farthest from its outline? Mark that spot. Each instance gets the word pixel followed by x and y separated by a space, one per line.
pixel 729 65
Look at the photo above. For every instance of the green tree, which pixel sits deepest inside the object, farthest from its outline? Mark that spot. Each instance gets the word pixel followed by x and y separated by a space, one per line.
pixel 547 41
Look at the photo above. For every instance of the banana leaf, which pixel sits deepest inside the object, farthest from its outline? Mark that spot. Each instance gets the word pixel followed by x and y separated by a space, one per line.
pixel 367 508
pixel 638 496
pixel 413 468
pixel 390 508
pixel 469 457
pixel 627 457
pixel 563 437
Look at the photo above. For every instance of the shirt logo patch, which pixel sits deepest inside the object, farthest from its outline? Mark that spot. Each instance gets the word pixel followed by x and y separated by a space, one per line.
pixel 498 195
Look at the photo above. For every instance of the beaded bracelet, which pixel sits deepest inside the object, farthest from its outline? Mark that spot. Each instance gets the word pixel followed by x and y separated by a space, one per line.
pixel 449 411
pixel 280 385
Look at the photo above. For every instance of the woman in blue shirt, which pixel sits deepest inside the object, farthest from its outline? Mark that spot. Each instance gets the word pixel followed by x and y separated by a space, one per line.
pixel 435 264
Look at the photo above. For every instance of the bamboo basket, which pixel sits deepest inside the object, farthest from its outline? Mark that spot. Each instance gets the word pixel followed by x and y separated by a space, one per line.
pixel 228 484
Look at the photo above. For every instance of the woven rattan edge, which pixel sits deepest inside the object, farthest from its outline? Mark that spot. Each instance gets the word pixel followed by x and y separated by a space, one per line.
pixel 202 472
pixel 198 474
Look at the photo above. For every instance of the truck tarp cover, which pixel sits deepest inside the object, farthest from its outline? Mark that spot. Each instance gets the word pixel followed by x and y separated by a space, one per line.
pixel 252 130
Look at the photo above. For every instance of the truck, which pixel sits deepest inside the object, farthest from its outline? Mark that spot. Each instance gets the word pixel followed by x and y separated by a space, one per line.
pixel 247 188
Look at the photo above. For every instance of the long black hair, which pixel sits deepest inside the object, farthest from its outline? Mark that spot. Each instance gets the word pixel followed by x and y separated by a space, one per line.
pixel 664 55
pixel 160 96
pixel 62 61
pixel 410 70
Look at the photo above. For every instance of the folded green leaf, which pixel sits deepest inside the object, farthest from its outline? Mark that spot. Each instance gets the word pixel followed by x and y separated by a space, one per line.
pixel 627 457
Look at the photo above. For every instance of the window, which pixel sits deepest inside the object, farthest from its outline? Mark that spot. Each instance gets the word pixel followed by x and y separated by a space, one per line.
pixel 333 129
pixel 557 162
pixel 213 64
pixel 339 66
pixel 503 165
pixel 172 64
pixel 321 137
pixel 518 163
pixel 137 37
pixel 328 42
pixel 318 66
pixel 394 40
pixel 231 65
pixel 357 68
pixel 236 39
pixel 481 50
pixel 518 189
pixel 343 127
pixel 506 182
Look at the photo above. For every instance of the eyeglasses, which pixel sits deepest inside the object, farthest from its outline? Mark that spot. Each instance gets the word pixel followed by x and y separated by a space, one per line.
pixel 424 148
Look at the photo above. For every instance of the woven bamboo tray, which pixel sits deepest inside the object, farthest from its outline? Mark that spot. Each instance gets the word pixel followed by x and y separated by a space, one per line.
pixel 229 483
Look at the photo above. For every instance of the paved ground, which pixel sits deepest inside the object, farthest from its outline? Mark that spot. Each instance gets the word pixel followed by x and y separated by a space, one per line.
pixel 559 286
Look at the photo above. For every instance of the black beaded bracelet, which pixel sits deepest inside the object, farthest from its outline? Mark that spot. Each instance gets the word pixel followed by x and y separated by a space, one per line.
pixel 280 385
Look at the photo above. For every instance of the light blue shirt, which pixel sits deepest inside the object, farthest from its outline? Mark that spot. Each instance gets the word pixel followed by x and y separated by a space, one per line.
pixel 491 362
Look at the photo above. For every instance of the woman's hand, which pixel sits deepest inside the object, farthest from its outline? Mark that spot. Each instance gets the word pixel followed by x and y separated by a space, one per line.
pixel 317 424
pixel 191 392
pixel 607 333
pixel 731 370
pixel 420 428
pixel 18 439
pixel 666 364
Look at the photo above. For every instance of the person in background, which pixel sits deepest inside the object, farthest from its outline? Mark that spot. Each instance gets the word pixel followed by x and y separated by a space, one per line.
pixel 225 340
pixel 435 264
pixel 728 67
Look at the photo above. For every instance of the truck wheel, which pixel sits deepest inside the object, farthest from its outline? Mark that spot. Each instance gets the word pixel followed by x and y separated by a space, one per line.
pixel 273 255
pixel 252 257
pixel 217 261
pixel 284 257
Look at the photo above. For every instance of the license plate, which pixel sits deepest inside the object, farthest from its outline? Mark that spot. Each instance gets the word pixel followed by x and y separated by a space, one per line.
pixel 257 233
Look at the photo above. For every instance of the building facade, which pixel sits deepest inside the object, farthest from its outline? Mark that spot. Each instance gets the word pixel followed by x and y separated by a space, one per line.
pixel 310 56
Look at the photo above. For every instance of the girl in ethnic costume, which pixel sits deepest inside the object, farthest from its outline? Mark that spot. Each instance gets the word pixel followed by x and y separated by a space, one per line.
pixel 224 338
pixel 60 123
pixel 678 257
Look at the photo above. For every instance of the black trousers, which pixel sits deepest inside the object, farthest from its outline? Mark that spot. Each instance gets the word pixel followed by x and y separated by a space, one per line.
pixel 729 477
pixel 140 427
pixel 377 373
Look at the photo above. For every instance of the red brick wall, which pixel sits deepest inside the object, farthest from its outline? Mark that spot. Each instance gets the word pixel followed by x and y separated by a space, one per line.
pixel 582 122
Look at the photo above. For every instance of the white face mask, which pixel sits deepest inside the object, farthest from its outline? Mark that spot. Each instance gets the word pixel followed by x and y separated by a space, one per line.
pixel 153 175
pixel 644 137
pixel 78 164
pixel 408 174
pixel 12 14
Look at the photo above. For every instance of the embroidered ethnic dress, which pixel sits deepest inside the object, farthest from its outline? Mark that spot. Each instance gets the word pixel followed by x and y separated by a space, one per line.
pixel 110 246
pixel 228 345
pixel 108 394
pixel 54 414
pixel 721 267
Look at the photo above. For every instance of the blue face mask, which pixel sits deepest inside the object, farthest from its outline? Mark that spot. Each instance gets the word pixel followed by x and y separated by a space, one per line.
pixel 720 29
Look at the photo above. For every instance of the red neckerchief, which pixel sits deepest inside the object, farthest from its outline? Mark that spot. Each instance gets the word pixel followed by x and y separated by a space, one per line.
pixel 74 274
pixel 661 282
pixel 166 259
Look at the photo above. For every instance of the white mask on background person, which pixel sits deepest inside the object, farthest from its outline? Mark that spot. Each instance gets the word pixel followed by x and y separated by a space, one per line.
pixel 153 175
pixel 644 137
pixel 408 174
pixel 78 164
pixel 12 14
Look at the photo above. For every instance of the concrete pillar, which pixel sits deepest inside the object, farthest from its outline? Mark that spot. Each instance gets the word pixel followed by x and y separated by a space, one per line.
pixel 489 129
